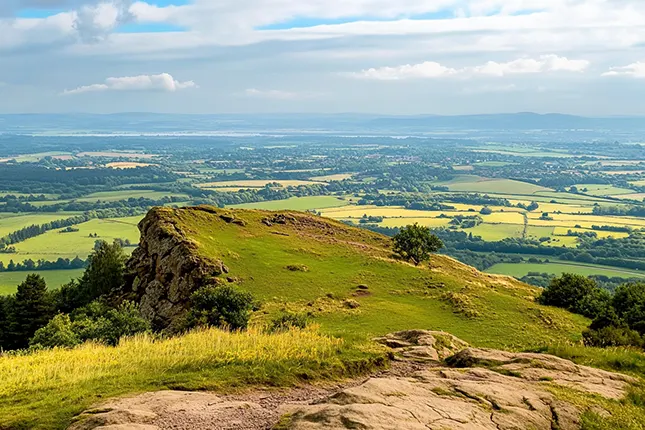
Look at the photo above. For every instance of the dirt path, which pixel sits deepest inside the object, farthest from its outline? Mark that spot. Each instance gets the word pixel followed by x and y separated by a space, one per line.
pixel 254 410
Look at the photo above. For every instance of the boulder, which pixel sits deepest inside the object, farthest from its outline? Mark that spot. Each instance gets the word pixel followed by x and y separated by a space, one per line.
pixel 423 345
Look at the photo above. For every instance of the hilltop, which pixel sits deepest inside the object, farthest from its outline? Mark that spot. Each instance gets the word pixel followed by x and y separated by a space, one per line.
pixel 346 278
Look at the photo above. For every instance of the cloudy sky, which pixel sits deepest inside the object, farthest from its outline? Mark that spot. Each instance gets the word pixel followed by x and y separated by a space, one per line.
pixel 379 56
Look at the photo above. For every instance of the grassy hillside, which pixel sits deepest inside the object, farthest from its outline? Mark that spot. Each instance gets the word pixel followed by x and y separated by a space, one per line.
pixel 483 309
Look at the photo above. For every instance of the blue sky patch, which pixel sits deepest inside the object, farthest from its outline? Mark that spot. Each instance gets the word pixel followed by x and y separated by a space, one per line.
pixel 313 22
pixel 149 28
pixel 38 13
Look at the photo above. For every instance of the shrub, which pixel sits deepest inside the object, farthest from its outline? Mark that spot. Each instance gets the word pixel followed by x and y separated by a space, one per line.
pixel 97 322
pixel 58 332
pixel 288 320
pixel 612 336
pixel 220 306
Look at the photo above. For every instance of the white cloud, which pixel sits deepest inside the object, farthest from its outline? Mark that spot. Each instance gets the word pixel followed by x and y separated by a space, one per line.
pixel 162 82
pixel 430 69
pixel 274 94
pixel 636 70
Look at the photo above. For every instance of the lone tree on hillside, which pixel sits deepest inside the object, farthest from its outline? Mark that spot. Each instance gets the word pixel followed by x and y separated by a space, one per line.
pixel 416 243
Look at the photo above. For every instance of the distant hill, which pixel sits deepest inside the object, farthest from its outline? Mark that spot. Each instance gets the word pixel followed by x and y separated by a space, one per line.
pixel 322 123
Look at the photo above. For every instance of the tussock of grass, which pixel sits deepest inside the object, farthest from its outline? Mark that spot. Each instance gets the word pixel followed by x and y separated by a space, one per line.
pixel 617 359
pixel 47 388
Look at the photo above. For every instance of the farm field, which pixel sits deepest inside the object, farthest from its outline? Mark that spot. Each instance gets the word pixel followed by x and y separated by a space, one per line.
pixel 471 183
pixel 298 203
pixel 635 196
pixel 111 196
pixel 495 232
pixel 519 270
pixel 53 245
pixel 127 165
pixel 256 183
pixel 13 222
pixel 603 190
pixel 336 177
pixel 54 278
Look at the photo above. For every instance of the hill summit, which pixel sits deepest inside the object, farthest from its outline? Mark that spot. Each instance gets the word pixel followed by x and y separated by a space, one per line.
pixel 345 278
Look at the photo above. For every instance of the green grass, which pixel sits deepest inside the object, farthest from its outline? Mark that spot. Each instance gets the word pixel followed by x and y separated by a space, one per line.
pixel 15 222
pixel 603 190
pixel 297 203
pixel 495 232
pixel 46 389
pixel 471 183
pixel 111 196
pixel 519 270
pixel 55 278
pixel 53 245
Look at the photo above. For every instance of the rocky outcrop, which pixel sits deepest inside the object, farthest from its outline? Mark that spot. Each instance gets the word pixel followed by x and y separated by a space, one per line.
pixel 471 389
pixel 422 345
pixel 474 389
pixel 165 269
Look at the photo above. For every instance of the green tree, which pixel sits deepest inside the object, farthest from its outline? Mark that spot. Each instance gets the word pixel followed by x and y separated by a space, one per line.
pixel 30 310
pixel 576 293
pixel 416 243
pixel 629 303
pixel 103 275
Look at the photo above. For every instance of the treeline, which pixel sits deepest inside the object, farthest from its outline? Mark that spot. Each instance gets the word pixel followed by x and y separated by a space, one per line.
pixel 418 202
pixel 76 206
pixel 636 211
pixel 25 178
pixel 29 265
pixel 626 252
pixel 609 283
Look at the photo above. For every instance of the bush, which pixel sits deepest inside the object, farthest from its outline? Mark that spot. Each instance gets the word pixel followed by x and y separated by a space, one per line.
pixel 97 322
pixel 220 306
pixel 612 336
pixel 288 321
pixel 58 332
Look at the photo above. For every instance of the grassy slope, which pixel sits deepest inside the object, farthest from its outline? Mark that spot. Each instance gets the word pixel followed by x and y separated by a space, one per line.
pixel 339 258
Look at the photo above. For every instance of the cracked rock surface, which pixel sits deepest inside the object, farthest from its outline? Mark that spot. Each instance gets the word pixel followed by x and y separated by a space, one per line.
pixel 437 383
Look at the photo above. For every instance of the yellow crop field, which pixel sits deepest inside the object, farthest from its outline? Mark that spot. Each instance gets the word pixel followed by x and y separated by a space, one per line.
pixel 256 183
pixel 336 177
pixel 402 222
pixel 384 211
pixel 126 165
pixel 504 218
pixel 634 196
pixel 562 231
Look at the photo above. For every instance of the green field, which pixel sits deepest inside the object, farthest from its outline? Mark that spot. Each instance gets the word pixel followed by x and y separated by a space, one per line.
pixel 110 196
pixel 495 232
pixel 471 183
pixel 55 278
pixel 53 245
pixel 519 270
pixel 13 222
pixel 298 203
pixel 603 190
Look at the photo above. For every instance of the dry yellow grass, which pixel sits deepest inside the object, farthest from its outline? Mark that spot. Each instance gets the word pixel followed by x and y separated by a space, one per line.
pixel 46 388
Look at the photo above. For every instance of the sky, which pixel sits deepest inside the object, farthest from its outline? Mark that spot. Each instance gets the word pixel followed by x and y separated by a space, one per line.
pixel 402 57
